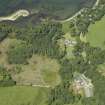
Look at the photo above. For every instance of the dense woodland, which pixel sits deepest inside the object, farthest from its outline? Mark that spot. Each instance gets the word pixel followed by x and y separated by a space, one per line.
pixel 43 38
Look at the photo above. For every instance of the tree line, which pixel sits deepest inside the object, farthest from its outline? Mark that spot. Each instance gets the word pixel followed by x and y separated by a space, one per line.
pixel 88 16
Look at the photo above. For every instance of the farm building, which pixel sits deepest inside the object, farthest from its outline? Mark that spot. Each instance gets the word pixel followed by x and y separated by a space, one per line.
pixel 81 82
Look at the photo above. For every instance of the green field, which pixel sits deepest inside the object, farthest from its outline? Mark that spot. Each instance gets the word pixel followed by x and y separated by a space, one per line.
pixel 96 34
pixel 23 95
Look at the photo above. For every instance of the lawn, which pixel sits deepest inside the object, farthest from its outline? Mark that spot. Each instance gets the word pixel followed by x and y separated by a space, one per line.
pixel 96 34
pixel 23 95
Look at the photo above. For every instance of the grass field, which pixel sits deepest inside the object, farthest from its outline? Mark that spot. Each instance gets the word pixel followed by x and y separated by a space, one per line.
pixel 96 34
pixel 23 95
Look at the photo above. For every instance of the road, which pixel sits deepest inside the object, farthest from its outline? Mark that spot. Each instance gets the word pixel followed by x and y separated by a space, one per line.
pixel 96 4
pixel 15 15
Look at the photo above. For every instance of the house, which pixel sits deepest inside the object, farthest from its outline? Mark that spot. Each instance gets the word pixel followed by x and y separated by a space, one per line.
pixel 81 82
pixel 70 42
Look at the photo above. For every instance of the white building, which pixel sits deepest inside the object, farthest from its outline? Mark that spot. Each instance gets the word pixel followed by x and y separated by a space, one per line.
pixel 82 82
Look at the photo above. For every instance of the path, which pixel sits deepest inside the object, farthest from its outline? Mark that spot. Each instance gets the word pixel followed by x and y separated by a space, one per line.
pixel 15 15
pixel 46 86
pixel 96 4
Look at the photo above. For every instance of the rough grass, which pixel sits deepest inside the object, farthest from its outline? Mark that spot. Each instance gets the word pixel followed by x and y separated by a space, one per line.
pixel 3 49
pixel 39 71
pixel 51 77
pixel 96 34
pixel 23 95
pixel 32 73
